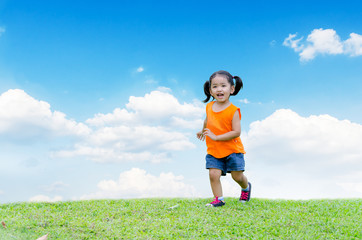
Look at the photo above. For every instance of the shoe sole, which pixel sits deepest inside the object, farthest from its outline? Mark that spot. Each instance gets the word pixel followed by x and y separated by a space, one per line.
pixel 210 205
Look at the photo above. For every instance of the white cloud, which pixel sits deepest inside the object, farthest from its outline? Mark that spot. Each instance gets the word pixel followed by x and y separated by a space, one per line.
pixel 290 42
pixel 43 198
pixel 155 106
pixel 323 135
pixel 136 144
pixel 353 45
pixel 291 156
pixel 246 101
pixel 324 41
pixel 150 128
pixel 118 116
pixel 1 192
pixel 158 105
pixel 140 69
pixel 137 183
pixel 23 117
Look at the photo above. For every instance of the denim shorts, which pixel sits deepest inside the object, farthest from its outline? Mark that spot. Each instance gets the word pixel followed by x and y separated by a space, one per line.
pixel 233 162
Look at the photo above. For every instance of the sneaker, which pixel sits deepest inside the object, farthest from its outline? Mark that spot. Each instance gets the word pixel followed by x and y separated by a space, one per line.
pixel 216 203
pixel 245 195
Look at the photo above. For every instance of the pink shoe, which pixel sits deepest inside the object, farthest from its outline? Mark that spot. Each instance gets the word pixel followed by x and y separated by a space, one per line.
pixel 216 203
pixel 245 195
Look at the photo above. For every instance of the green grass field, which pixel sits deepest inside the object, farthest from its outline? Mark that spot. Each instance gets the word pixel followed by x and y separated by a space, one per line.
pixel 183 218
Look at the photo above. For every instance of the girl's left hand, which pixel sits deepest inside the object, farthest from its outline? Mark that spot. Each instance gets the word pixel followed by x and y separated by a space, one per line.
pixel 210 134
pixel 200 136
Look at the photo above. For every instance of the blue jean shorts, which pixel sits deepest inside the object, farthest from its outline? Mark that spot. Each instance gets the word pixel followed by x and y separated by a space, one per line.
pixel 233 162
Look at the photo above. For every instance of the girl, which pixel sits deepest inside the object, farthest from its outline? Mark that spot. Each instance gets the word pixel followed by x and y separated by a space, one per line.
pixel 225 151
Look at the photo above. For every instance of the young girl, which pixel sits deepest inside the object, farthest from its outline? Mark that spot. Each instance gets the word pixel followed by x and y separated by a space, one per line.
pixel 225 151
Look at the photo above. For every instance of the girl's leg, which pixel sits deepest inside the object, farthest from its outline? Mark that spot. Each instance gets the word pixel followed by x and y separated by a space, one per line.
pixel 240 178
pixel 215 182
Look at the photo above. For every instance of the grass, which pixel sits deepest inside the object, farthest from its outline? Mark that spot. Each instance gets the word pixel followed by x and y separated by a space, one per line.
pixel 183 218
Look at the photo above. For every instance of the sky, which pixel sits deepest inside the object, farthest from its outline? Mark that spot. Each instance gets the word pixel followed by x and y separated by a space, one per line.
pixel 102 100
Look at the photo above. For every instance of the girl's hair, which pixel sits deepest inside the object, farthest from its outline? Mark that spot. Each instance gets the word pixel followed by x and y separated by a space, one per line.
pixel 238 83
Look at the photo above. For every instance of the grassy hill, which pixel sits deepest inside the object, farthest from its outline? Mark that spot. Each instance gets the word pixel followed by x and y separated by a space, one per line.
pixel 183 218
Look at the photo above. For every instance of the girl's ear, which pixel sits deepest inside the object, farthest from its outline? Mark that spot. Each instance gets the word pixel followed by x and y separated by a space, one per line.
pixel 232 89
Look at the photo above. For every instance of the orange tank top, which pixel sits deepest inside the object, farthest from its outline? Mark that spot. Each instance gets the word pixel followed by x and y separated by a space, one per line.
pixel 220 123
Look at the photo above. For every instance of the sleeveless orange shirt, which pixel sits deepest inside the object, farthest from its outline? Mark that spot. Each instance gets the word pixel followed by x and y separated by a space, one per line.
pixel 220 123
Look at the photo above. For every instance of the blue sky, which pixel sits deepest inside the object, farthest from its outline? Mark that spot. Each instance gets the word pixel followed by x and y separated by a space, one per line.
pixel 103 100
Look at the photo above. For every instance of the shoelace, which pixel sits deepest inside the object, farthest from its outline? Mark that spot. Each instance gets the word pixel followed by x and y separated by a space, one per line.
pixel 244 195
pixel 216 200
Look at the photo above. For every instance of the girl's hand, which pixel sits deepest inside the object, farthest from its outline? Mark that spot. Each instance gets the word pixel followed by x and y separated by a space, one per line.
pixel 210 134
pixel 200 136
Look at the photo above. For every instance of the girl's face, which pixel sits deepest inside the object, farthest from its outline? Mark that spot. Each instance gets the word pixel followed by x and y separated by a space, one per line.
pixel 221 89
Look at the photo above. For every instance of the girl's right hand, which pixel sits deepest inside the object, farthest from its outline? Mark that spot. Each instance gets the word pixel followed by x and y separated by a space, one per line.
pixel 200 135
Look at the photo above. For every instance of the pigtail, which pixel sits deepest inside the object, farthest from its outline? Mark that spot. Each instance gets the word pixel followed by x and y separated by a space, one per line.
pixel 207 91
pixel 238 85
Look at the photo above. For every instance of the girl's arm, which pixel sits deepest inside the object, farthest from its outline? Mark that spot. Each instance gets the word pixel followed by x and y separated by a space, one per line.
pixel 234 133
pixel 200 135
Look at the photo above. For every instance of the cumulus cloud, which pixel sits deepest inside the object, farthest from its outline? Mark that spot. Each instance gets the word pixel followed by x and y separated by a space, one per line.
pixel 150 128
pixel 43 198
pixel 325 42
pixel 137 183
pixel 23 117
pixel 159 104
pixel 305 157
pixel 353 45
pixel 155 106
pixel 118 116
pixel 323 135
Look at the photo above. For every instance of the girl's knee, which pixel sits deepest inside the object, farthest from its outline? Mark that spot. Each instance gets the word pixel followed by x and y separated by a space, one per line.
pixel 237 176
pixel 214 174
